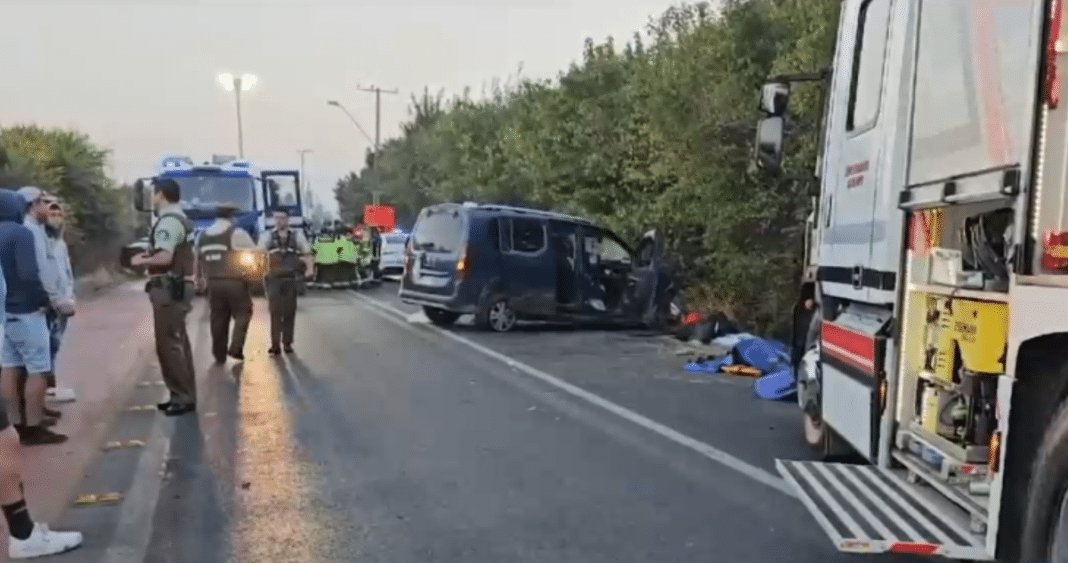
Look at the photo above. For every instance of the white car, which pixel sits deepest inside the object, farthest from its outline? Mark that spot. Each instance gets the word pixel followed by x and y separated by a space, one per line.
pixel 392 261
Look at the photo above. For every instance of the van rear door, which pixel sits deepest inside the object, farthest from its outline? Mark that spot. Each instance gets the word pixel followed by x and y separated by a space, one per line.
pixel 438 241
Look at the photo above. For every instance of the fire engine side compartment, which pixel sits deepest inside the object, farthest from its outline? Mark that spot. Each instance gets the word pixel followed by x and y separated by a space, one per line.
pixel 972 146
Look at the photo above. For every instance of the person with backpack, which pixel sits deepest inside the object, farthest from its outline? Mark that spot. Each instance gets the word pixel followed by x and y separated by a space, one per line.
pixel 223 266
pixel 288 259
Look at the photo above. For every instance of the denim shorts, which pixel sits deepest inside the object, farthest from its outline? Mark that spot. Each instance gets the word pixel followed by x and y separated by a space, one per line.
pixel 26 343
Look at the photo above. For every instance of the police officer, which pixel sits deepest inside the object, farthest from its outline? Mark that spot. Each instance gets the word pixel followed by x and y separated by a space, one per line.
pixel 224 266
pixel 169 262
pixel 376 254
pixel 288 258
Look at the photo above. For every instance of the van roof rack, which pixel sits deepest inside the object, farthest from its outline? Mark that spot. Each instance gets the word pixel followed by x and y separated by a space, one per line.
pixel 535 212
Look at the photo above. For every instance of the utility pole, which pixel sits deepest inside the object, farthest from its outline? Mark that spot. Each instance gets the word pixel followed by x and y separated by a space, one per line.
pixel 378 127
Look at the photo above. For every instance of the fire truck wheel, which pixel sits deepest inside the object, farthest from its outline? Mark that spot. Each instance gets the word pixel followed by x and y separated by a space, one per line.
pixel 1045 535
pixel 818 435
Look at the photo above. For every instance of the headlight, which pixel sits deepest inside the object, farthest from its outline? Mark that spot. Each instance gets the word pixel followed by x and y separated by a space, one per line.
pixel 248 259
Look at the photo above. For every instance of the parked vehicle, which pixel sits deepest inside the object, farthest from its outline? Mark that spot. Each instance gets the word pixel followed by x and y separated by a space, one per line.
pixel 503 264
pixel 939 345
pixel 392 261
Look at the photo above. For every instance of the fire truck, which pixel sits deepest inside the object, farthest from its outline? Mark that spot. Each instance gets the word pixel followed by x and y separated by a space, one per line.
pixel 937 347
pixel 227 180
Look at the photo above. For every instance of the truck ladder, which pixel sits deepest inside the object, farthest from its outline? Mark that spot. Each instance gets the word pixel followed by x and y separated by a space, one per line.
pixel 866 509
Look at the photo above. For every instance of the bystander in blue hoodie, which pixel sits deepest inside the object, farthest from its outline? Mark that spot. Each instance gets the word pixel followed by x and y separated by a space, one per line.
pixel 18 258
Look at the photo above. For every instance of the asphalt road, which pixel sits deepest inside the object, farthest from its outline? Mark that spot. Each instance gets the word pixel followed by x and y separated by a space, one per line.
pixel 386 441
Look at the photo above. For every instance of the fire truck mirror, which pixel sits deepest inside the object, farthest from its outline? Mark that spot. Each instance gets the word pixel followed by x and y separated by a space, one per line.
pixel 774 98
pixel 139 194
pixel 768 149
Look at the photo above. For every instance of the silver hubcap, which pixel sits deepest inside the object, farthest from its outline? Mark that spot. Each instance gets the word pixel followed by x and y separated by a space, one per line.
pixel 501 316
pixel 1058 550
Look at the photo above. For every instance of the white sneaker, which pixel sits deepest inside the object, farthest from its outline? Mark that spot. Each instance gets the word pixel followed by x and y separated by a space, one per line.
pixel 61 394
pixel 43 542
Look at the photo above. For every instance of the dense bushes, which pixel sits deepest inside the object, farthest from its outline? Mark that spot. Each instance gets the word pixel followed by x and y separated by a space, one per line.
pixel 69 165
pixel 655 135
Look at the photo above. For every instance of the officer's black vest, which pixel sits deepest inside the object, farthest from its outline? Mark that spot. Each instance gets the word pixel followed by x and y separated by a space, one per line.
pixel 217 255
pixel 283 256
pixel 182 261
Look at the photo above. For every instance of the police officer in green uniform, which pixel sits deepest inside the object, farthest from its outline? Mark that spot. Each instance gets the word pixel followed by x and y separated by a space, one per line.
pixel 287 261
pixel 169 262
pixel 224 264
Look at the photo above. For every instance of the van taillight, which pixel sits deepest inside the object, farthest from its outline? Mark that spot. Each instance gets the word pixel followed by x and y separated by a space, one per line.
pixel 1055 250
pixel 461 263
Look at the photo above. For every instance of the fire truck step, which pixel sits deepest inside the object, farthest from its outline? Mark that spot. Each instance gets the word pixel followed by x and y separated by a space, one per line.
pixel 865 509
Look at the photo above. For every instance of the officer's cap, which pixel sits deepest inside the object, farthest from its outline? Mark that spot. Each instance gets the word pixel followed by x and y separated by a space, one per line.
pixel 228 206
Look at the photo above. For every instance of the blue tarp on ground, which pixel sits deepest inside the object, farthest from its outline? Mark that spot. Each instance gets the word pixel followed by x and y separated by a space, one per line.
pixel 771 357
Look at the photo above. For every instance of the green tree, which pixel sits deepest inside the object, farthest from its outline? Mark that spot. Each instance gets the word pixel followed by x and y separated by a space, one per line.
pixel 68 164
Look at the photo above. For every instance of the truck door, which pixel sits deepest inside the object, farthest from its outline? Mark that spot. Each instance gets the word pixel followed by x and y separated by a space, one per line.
pixel 281 188
pixel 854 155
pixel 852 226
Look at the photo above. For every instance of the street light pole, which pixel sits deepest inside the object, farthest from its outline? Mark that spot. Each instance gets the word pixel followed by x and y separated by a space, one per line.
pixel 378 127
pixel 238 84
pixel 304 179
pixel 240 129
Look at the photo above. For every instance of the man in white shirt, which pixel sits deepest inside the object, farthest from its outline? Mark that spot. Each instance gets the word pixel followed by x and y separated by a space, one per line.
pixel 224 261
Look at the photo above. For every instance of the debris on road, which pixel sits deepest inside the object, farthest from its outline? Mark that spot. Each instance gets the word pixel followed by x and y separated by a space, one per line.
pixel 721 348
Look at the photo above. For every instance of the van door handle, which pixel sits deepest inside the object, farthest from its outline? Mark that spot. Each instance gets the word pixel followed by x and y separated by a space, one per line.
pixel 858 277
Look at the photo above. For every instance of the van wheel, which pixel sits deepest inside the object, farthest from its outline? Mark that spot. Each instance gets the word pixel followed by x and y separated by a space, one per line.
pixel 497 315
pixel 440 317
pixel 1045 536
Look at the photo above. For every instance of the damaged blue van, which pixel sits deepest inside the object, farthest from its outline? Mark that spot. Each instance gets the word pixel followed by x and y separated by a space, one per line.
pixel 504 264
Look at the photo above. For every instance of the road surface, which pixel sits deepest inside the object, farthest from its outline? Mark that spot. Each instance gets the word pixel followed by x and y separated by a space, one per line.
pixel 386 440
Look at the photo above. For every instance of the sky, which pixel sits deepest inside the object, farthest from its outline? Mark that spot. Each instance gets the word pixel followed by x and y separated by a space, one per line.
pixel 140 76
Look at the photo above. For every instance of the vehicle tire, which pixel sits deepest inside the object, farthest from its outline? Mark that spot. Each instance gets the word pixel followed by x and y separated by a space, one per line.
pixel 440 317
pixel 1045 534
pixel 496 315
pixel 818 435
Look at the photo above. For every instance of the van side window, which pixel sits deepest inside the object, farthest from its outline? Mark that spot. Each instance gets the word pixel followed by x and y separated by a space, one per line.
pixel 608 250
pixel 528 235
pixel 504 234
pixel 865 89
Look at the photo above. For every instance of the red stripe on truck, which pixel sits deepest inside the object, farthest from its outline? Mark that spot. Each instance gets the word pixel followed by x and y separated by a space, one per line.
pixel 855 348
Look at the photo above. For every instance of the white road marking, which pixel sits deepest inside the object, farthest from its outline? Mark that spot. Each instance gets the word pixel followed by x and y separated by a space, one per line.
pixel 717 455
pixel 417 317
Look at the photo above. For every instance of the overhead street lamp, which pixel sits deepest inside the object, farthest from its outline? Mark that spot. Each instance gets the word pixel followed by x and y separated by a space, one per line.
pixel 338 105
pixel 237 84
